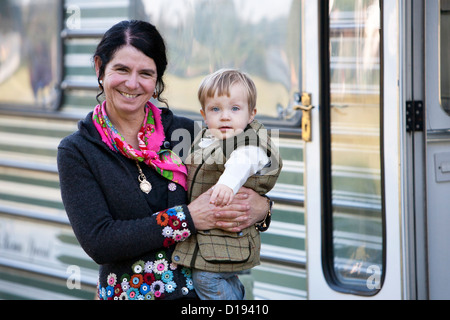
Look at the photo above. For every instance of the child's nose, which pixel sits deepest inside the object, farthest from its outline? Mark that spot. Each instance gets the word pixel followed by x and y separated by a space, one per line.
pixel 225 115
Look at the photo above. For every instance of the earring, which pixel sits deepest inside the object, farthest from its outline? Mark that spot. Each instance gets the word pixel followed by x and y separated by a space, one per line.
pixel 155 95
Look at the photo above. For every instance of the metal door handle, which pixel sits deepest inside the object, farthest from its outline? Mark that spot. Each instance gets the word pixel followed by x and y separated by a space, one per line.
pixel 306 108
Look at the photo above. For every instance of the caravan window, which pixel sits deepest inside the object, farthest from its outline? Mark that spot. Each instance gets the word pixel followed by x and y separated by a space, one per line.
pixel 30 54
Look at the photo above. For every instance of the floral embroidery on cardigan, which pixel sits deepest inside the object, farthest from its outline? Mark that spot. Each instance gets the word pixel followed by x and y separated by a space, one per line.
pixel 152 280
pixel 146 285
pixel 175 226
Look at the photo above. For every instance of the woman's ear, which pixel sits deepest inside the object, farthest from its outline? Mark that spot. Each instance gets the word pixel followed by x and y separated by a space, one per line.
pixel 98 64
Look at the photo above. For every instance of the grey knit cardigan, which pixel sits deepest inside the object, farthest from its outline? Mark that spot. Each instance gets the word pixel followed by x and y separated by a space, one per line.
pixel 116 223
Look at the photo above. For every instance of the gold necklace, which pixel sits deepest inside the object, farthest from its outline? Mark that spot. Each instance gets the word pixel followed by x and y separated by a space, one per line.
pixel 145 186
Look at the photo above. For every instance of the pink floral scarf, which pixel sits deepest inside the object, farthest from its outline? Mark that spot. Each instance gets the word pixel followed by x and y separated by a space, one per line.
pixel 150 137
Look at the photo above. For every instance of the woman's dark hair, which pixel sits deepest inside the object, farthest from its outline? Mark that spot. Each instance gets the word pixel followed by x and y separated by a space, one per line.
pixel 141 35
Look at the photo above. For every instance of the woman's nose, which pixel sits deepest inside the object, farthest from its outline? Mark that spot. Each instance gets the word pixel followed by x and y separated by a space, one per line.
pixel 132 82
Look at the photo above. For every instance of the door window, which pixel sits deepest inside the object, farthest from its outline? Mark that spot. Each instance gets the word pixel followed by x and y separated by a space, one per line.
pixel 354 205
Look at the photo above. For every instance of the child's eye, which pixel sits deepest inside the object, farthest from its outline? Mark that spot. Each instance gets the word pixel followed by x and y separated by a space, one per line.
pixel 215 109
pixel 235 108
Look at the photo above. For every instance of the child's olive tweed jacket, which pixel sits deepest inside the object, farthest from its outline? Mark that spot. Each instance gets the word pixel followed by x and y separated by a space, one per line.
pixel 218 250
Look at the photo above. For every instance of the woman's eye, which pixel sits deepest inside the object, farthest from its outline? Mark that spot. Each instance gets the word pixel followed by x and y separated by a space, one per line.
pixel 148 75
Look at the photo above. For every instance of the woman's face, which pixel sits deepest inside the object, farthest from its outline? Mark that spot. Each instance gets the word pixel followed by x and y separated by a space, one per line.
pixel 129 82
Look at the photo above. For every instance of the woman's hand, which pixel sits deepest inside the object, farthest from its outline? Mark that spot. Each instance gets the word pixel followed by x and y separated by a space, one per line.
pixel 240 214
pixel 234 217
pixel 203 212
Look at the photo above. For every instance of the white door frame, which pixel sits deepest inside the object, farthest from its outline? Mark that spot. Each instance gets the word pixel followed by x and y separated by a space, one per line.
pixel 317 286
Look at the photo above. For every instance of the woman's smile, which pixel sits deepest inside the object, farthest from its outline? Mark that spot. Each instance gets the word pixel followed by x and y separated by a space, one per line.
pixel 128 96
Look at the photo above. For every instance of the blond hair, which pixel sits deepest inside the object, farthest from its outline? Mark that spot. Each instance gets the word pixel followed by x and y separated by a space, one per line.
pixel 221 81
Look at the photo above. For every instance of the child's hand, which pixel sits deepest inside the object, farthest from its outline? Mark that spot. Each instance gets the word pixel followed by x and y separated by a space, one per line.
pixel 221 195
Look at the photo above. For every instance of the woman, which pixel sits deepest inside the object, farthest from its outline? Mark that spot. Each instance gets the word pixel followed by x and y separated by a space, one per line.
pixel 124 189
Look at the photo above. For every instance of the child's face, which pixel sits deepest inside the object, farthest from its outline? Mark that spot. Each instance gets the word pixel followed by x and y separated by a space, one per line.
pixel 227 116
